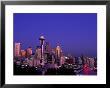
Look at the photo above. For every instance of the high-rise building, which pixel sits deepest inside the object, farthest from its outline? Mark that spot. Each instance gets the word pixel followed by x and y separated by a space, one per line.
pixel 79 60
pixel 92 62
pixel 23 53
pixel 37 57
pixel 62 60
pixel 17 49
pixel 49 58
pixel 82 58
pixel 47 47
pixel 58 51
pixel 38 52
pixel 29 52
pixel 53 50
pixel 95 62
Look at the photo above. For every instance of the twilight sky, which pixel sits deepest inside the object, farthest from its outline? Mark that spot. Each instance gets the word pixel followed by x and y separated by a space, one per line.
pixel 76 33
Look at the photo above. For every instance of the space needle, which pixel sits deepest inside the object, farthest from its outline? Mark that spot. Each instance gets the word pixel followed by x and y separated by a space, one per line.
pixel 42 39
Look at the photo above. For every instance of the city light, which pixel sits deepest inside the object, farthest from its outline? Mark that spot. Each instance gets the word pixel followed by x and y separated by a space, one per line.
pixel 51 61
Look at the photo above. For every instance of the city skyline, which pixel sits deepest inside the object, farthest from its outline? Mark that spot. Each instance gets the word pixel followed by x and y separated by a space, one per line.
pixel 51 61
pixel 75 33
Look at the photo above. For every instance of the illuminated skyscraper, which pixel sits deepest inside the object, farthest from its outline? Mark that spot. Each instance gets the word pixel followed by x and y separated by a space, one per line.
pixel 58 51
pixel 17 49
pixel 58 55
pixel 42 49
pixel 23 53
pixel 29 51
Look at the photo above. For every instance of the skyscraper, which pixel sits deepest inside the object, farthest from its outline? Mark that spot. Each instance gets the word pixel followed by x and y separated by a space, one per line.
pixel 58 54
pixel 58 51
pixel 37 57
pixel 62 60
pixel 23 53
pixel 38 52
pixel 47 47
pixel 29 52
pixel 91 62
pixel 17 49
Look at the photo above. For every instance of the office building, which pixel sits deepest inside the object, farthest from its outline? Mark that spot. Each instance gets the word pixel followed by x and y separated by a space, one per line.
pixel 17 49
pixel 58 51
pixel 29 52
pixel 47 47
pixel 23 53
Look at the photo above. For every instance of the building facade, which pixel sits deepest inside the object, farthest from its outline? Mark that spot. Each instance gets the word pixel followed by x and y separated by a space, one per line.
pixel 17 49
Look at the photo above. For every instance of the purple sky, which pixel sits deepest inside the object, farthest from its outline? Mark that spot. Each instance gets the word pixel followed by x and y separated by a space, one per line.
pixel 76 33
